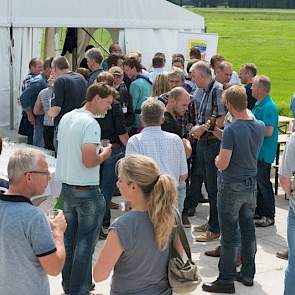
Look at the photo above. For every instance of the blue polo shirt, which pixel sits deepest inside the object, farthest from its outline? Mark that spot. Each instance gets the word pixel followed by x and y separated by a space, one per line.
pixel 266 111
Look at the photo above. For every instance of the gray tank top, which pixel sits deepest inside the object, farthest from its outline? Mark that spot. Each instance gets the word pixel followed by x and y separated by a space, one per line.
pixel 142 267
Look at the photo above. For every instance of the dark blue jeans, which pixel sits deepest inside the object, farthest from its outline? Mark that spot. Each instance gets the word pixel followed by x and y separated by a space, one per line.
pixel 194 191
pixel 205 170
pixel 108 180
pixel 265 194
pixel 236 204
pixel 84 210
pixel 290 271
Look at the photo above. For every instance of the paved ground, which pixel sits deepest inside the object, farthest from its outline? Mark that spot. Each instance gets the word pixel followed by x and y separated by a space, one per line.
pixel 269 277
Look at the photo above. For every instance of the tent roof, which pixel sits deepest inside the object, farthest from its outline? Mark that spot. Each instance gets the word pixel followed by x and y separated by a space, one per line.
pixel 138 14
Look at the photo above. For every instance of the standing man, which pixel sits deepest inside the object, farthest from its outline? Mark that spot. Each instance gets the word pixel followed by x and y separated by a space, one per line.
pixel 247 73
pixel 140 88
pixel 69 90
pixel 94 60
pixel 223 72
pixel 266 111
pixel 124 96
pixel 286 173
pixel 208 145
pixel 237 163
pixel 30 248
pixel 28 99
pixel 164 147
pixel 178 102
pixel 77 168
pixel 35 67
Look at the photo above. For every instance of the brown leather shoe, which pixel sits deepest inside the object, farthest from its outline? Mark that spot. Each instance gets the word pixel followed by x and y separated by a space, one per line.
pixel 208 236
pixel 200 228
pixel 214 253
pixel 114 206
pixel 282 254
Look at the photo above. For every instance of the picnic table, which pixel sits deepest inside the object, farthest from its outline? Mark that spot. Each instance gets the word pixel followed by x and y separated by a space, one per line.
pixel 285 124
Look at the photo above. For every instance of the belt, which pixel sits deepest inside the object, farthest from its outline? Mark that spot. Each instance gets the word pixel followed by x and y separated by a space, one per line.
pixel 116 145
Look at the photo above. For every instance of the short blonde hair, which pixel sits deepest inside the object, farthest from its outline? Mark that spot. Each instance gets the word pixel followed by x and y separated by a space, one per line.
pixel 236 96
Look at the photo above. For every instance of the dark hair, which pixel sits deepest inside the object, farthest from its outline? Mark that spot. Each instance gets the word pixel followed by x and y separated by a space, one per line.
pixel 113 58
pixel 190 63
pixel 102 89
pixel 89 47
pixel 132 62
pixel 177 56
pixel 216 58
pixel 250 68
pixel 112 47
pixel 195 53
pixel 84 72
pixel 178 59
pixel 60 62
pixel 161 54
pixel 47 63
pixel 33 62
pixel 105 77
pixel 158 62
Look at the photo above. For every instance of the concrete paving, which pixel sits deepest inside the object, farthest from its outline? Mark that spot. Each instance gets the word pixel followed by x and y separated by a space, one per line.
pixel 269 278
pixel 270 270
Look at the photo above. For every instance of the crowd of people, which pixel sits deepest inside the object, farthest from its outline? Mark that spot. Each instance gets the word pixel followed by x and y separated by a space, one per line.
pixel 164 137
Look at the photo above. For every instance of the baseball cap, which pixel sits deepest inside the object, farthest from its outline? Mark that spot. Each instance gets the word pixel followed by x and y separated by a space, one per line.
pixel 116 71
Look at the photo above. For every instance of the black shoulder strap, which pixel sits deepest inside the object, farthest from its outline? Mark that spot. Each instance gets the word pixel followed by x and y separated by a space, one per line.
pixel 145 78
pixel 182 236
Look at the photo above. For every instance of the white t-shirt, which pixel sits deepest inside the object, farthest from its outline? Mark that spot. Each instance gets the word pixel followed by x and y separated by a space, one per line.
pixel 76 128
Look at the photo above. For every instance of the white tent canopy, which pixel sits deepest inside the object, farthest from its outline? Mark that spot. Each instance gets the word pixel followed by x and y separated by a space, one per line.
pixel 145 25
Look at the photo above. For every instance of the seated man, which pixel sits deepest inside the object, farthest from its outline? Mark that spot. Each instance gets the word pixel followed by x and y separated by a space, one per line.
pixel 29 248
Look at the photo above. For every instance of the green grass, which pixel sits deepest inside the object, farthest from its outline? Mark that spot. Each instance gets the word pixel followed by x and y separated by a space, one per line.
pixel 265 37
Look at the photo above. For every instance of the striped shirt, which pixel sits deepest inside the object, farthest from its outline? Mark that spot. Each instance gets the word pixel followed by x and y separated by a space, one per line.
pixel 211 99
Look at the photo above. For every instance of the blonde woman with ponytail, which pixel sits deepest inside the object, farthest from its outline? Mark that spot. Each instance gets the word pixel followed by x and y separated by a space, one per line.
pixel 137 246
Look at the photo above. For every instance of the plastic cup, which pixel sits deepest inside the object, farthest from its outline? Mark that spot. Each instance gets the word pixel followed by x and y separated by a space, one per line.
pixel 52 213
pixel 105 142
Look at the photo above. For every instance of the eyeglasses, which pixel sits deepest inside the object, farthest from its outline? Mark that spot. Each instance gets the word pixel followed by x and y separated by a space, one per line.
pixel 47 173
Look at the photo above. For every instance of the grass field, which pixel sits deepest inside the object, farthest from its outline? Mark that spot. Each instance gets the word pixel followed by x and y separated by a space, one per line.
pixel 263 37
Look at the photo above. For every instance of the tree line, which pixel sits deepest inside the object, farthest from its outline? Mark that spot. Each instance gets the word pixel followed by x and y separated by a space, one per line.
pixel 238 3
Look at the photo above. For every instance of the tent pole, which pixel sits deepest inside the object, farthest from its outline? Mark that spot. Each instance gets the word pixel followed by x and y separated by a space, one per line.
pixel 11 82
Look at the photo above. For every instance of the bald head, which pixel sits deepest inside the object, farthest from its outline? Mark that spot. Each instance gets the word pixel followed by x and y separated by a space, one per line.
pixel 178 101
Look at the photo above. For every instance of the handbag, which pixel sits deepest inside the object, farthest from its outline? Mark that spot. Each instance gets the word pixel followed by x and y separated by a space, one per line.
pixel 183 276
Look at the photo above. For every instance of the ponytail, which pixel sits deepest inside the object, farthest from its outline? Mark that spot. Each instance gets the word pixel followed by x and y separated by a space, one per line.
pixel 159 190
pixel 162 209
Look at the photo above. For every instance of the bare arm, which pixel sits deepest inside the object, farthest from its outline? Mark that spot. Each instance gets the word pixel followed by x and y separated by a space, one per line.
pixel 108 257
pixel 187 147
pixel 38 108
pixel 268 131
pixel 89 156
pixel 178 246
pixel 286 184
pixel 53 264
pixel 124 138
pixel 223 159
pixel 53 112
